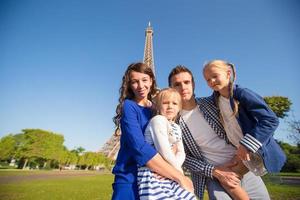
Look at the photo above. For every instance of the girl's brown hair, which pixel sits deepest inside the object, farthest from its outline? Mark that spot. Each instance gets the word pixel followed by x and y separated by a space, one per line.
pixel 126 92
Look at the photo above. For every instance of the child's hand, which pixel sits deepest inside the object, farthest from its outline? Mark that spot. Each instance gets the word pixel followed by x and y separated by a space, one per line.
pixel 175 148
pixel 243 153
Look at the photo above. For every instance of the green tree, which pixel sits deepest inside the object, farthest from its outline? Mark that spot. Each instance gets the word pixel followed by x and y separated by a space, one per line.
pixel 72 158
pixel 62 157
pixel 293 157
pixel 7 147
pixel 79 150
pixel 279 104
pixel 38 143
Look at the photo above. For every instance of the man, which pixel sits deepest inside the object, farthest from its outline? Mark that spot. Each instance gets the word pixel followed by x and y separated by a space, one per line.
pixel 206 144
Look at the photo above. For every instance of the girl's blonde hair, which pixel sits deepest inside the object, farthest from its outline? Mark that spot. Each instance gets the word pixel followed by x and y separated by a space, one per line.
pixel 167 93
pixel 224 66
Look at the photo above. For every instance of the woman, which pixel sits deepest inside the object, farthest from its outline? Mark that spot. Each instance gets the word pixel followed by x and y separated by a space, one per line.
pixel 132 116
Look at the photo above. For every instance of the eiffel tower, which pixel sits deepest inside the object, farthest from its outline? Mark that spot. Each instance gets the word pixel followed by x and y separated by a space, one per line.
pixel 148 51
pixel 112 146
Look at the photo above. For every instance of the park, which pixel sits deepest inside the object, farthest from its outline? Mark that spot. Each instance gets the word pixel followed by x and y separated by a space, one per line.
pixel 61 65
pixel 95 185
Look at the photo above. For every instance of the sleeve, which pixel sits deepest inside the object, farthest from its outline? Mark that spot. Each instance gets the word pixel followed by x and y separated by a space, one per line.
pixel 159 133
pixel 133 137
pixel 259 111
pixel 198 166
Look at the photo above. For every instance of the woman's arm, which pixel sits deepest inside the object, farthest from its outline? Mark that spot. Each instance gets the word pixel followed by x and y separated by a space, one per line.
pixel 132 135
pixel 160 166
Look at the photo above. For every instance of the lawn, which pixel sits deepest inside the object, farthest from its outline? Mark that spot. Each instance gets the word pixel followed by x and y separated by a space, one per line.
pixel 90 187
pixel 78 185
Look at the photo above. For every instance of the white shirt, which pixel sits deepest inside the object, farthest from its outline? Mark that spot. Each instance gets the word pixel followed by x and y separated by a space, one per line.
pixel 235 134
pixel 231 125
pixel 163 135
pixel 214 149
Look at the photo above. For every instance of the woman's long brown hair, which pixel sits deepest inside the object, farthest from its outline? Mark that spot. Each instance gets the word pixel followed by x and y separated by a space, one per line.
pixel 126 92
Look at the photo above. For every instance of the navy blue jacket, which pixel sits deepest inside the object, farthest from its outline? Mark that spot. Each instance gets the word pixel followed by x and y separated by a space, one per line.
pixel 258 123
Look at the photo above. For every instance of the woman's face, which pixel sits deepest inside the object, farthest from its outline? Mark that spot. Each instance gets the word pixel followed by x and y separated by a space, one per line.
pixel 140 85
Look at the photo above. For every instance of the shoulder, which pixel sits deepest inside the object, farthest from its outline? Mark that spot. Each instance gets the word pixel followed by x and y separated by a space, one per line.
pixel 129 108
pixel 245 93
pixel 239 89
pixel 129 103
pixel 159 119
pixel 208 101
pixel 205 99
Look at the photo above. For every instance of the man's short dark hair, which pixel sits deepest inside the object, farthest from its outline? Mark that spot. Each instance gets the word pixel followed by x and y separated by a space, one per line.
pixel 177 70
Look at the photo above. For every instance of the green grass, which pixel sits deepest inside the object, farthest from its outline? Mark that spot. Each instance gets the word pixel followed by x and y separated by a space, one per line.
pixel 283 192
pixel 94 186
pixel 18 172
pixel 294 174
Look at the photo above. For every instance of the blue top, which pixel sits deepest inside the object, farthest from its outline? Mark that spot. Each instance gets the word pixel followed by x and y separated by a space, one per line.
pixel 134 151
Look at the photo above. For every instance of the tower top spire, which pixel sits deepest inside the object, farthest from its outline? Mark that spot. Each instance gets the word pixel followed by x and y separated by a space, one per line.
pixel 148 51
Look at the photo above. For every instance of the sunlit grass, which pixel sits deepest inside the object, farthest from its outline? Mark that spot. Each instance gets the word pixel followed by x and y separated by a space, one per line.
pixel 94 186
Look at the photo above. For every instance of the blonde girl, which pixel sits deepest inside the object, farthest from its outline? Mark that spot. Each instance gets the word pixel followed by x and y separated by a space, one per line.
pixel 248 121
pixel 165 135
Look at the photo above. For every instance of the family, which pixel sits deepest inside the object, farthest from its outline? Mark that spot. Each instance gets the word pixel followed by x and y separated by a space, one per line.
pixel 223 142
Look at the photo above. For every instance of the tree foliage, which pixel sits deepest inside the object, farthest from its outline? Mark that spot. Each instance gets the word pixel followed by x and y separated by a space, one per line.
pixel 293 157
pixel 7 147
pixel 38 143
pixel 279 104
pixel 40 148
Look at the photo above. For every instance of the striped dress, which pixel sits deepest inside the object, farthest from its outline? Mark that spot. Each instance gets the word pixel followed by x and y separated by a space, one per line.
pixel 150 186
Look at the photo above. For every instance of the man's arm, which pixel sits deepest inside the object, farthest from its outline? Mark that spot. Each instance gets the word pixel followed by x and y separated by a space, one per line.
pixel 226 176
pixel 223 173
pixel 198 166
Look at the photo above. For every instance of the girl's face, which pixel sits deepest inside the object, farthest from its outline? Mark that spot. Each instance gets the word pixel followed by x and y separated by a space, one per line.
pixel 217 79
pixel 169 107
pixel 140 84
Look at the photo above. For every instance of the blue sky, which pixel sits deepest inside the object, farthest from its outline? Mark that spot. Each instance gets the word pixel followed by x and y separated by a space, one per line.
pixel 61 62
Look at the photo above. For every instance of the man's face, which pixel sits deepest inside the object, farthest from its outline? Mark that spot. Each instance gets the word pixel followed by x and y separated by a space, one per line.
pixel 182 82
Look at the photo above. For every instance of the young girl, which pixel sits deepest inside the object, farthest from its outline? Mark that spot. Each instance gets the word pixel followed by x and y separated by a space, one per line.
pixel 165 135
pixel 132 116
pixel 248 121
